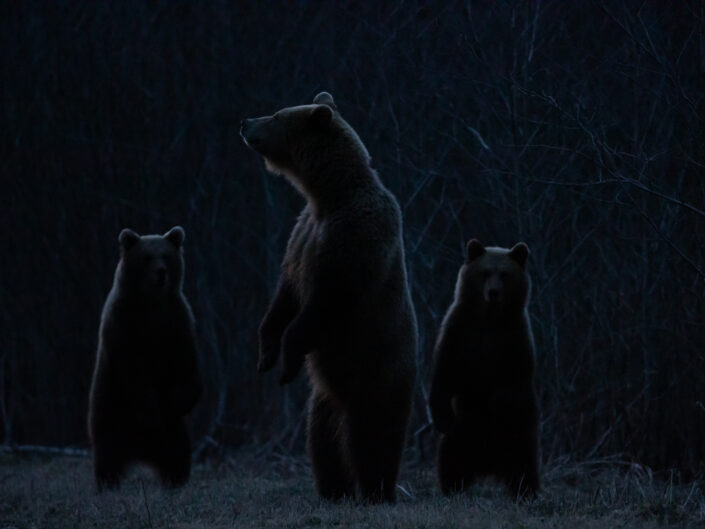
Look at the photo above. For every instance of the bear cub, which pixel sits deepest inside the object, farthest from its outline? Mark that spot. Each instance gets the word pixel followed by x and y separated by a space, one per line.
pixel 482 395
pixel 146 375
pixel 342 305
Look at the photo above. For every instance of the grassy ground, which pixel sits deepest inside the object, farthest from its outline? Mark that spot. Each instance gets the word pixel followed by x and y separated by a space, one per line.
pixel 271 492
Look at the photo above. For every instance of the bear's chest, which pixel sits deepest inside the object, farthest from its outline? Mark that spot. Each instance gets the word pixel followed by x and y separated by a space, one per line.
pixel 302 254
pixel 488 351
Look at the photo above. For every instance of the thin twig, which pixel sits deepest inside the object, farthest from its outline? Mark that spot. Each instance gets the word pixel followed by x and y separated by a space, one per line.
pixel 50 450
pixel 146 504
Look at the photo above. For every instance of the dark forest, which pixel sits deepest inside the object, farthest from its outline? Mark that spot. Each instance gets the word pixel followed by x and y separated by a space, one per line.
pixel 576 127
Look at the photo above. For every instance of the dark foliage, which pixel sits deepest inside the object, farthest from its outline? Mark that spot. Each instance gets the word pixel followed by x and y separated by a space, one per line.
pixel 574 126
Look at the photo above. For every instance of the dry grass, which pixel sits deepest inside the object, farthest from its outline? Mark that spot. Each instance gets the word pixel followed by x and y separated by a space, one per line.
pixel 258 491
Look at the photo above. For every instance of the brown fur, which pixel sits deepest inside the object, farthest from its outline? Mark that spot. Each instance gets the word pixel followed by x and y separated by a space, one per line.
pixel 342 304
pixel 482 394
pixel 146 378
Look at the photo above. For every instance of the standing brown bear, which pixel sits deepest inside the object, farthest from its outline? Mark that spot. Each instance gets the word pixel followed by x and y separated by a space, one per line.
pixel 342 304
pixel 146 376
pixel 482 393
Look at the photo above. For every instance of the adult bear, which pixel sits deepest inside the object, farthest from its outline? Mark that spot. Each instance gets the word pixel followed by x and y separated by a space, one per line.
pixel 146 375
pixel 482 395
pixel 342 304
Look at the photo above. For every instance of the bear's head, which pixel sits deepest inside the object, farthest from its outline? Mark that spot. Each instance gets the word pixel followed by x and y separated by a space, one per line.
pixel 151 266
pixel 495 279
pixel 303 142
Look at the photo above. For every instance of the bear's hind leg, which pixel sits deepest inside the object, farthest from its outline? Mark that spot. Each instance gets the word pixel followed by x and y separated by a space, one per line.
pixel 522 478
pixel 108 467
pixel 331 472
pixel 375 443
pixel 455 472
pixel 521 468
pixel 172 456
pixel 519 462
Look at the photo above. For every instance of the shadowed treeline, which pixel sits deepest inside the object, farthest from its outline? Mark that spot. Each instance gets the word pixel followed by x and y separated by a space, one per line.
pixel 575 127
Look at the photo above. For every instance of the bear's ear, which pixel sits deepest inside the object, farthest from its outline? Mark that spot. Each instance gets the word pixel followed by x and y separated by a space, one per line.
pixel 324 98
pixel 519 252
pixel 175 236
pixel 128 239
pixel 321 115
pixel 474 250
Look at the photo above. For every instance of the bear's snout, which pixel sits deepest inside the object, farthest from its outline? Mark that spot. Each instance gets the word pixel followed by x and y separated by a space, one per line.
pixel 493 289
pixel 493 295
pixel 246 127
pixel 243 128
pixel 160 275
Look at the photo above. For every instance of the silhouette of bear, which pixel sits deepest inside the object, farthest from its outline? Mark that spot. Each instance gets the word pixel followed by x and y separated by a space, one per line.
pixel 146 374
pixel 482 394
pixel 342 304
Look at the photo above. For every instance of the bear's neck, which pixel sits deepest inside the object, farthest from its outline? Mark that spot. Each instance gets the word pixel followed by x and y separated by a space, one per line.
pixel 479 311
pixel 333 171
pixel 329 185
pixel 127 292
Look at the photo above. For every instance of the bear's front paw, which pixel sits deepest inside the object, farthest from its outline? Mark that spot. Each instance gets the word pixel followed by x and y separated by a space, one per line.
pixel 268 354
pixel 293 344
pixel 293 352
pixel 443 419
pixel 291 366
